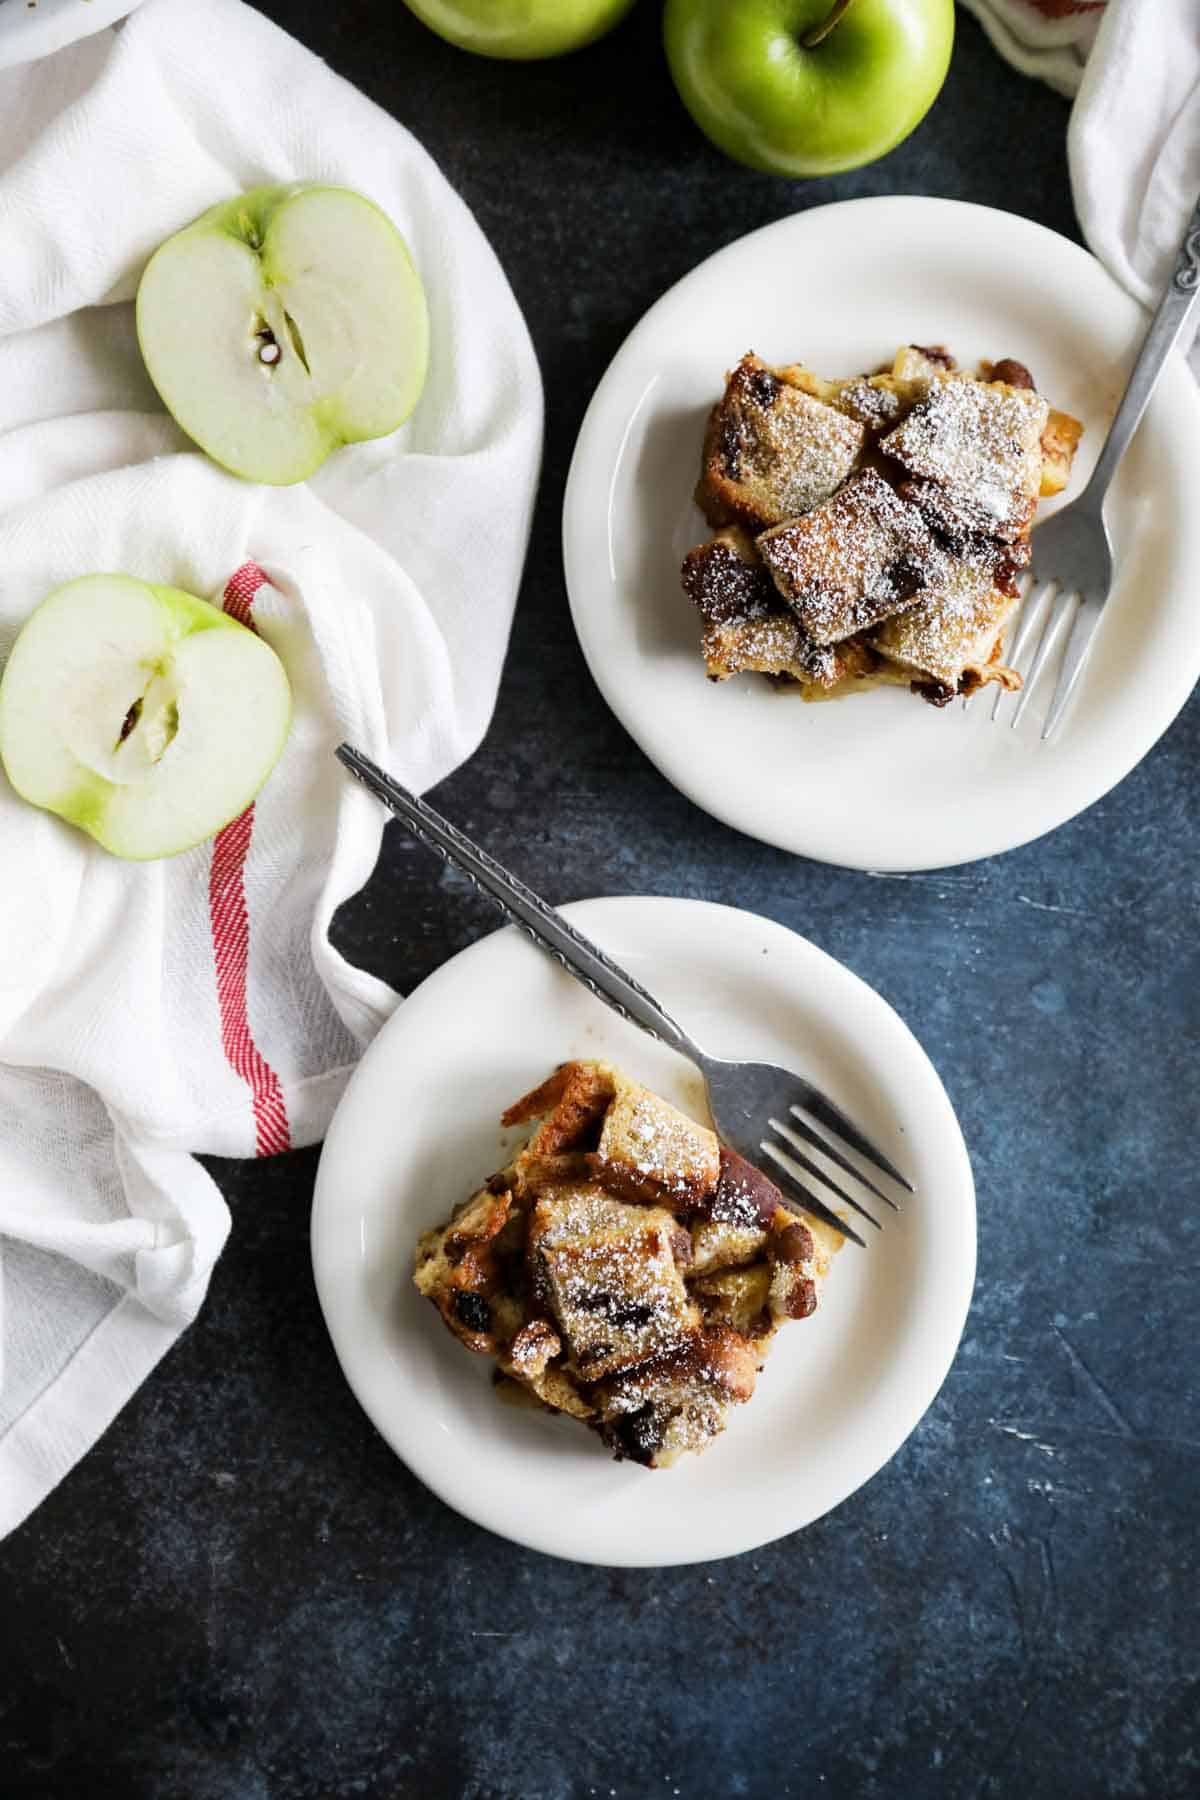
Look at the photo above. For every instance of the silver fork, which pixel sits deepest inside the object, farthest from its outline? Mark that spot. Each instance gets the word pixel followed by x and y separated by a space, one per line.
pixel 748 1100
pixel 1072 552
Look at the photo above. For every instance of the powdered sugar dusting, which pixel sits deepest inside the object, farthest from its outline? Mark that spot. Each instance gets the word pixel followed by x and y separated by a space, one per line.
pixel 956 622
pixel 788 449
pixel 617 1289
pixel 872 404
pixel 982 440
pixel 860 557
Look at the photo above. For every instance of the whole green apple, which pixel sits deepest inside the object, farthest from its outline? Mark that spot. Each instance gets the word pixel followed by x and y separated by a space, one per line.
pixel 520 29
pixel 808 87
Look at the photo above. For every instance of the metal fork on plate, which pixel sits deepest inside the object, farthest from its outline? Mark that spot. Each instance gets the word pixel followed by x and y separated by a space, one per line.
pixel 758 1108
pixel 1072 554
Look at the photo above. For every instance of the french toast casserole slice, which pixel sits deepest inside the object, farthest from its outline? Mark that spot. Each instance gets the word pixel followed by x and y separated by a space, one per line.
pixel 871 531
pixel 625 1268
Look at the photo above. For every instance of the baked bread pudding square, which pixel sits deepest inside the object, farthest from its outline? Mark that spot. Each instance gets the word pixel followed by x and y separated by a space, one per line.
pixel 625 1268
pixel 897 562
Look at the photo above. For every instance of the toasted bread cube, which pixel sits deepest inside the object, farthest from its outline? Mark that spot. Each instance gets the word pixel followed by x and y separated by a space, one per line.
pixel 957 623
pixel 772 449
pixel 571 1103
pixel 680 1402
pixel 744 1195
pixel 963 527
pixel 983 438
pixel 747 627
pixel 851 562
pixel 456 1268
pixel 727 581
pixel 651 1150
pixel 611 1274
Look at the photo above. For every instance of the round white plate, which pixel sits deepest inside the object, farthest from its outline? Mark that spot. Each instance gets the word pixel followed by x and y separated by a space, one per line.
pixel 880 780
pixel 417 1131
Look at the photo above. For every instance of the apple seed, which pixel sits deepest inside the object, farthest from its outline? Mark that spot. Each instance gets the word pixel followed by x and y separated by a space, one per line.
pixel 130 721
pixel 297 341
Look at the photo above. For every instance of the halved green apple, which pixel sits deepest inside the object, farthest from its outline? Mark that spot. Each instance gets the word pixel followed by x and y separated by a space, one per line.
pixel 283 324
pixel 141 714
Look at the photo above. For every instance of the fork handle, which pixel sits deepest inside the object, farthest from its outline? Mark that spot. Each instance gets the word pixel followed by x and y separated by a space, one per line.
pixel 1166 328
pixel 526 910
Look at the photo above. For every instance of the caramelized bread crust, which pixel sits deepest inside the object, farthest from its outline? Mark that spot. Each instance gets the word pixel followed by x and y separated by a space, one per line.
pixel 625 1268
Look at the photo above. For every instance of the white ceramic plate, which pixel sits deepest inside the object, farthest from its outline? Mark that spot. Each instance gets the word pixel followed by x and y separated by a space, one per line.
pixel 880 780
pixel 417 1131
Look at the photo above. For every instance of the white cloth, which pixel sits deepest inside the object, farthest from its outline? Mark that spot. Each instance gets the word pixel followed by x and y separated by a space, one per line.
pixel 1133 143
pixel 1047 38
pixel 149 1011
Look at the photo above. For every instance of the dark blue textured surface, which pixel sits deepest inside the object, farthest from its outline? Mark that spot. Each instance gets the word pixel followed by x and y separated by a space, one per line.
pixel 241 1595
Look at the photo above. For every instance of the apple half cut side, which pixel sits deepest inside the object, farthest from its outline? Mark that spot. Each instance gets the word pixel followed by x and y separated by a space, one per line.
pixel 141 714
pixel 283 324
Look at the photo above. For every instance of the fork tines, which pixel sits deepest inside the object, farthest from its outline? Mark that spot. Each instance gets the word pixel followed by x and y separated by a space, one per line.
pixel 793 1163
pixel 1067 616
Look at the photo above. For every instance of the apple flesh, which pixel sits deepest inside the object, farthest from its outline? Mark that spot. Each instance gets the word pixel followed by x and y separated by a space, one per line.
pixel 283 324
pixel 770 100
pixel 141 714
pixel 520 29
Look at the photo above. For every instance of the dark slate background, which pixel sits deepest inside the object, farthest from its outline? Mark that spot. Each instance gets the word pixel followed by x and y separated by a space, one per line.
pixel 241 1594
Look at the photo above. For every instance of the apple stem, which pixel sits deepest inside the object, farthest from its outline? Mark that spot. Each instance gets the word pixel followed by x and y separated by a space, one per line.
pixel 820 32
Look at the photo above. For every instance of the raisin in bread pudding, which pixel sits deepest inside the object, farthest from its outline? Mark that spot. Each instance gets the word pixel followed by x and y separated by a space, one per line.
pixel 625 1268
pixel 870 532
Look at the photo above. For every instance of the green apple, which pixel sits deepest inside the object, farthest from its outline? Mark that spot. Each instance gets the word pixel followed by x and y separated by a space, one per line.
pixel 143 715
pixel 520 29
pixel 282 324
pixel 808 87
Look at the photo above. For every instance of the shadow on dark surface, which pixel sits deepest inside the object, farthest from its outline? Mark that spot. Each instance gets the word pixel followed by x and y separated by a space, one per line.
pixel 242 1595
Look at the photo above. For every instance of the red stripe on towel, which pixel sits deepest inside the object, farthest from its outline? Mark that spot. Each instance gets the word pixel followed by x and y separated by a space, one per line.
pixel 230 924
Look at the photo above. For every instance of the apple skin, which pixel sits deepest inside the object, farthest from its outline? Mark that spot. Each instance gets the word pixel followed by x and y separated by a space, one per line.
pixel 520 30
pixel 770 103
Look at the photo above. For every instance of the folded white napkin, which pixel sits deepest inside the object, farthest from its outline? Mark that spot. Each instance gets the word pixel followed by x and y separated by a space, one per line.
pixel 1047 38
pixel 1133 142
pixel 148 1011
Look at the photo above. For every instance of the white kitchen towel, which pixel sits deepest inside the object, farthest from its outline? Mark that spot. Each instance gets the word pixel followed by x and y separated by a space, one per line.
pixel 1133 142
pixel 149 1011
pixel 1047 38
